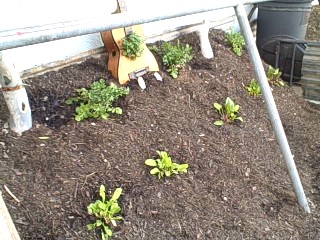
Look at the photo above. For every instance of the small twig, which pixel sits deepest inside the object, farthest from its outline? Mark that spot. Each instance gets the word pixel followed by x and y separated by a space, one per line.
pixel 85 180
pixel 76 191
pixel 11 194
pixel 189 149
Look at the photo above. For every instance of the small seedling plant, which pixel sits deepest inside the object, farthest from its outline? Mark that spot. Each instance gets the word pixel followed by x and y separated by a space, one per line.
pixel 175 57
pixel 97 102
pixel 236 42
pixel 132 46
pixel 106 212
pixel 273 75
pixel 228 112
pixel 254 88
pixel 164 166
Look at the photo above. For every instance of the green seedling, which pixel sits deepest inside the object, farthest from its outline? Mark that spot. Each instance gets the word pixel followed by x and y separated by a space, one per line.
pixel 164 167
pixel 228 112
pixel 106 211
pixel 236 42
pixel 132 46
pixel 273 76
pixel 254 88
pixel 174 57
pixel 97 102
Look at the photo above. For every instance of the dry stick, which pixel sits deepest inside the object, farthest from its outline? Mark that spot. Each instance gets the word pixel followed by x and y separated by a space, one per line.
pixel 11 194
pixel 76 191
pixel 85 180
pixel 189 149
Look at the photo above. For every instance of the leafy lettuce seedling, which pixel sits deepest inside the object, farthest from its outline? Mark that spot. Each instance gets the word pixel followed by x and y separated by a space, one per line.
pixel 236 41
pixel 98 101
pixel 174 57
pixel 132 46
pixel 228 112
pixel 106 211
pixel 164 167
pixel 273 76
pixel 254 88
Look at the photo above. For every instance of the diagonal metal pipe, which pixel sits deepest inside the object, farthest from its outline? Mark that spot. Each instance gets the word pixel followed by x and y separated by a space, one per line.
pixel 13 38
pixel 271 106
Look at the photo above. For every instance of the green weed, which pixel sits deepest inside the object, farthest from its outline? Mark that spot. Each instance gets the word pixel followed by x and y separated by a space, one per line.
pixel 236 42
pixel 254 88
pixel 273 75
pixel 228 112
pixel 174 57
pixel 164 166
pixel 132 46
pixel 97 102
pixel 106 211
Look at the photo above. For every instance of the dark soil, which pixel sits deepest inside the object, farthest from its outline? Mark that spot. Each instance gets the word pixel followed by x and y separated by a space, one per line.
pixel 237 186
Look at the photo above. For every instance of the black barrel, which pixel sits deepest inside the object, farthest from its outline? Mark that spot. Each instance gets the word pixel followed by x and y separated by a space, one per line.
pixel 281 20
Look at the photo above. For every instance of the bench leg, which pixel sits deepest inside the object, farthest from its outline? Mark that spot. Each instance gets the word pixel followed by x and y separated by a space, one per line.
pixel 205 45
pixel 15 96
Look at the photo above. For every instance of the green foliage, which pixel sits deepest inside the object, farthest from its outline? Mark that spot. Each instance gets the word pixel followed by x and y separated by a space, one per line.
pixel 273 76
pixel 164 167
pixel 132 46
pixel 174 57
pixel 98 101
pixel 254 88
pixel 236 42
pixel 228 112
pixel 106 211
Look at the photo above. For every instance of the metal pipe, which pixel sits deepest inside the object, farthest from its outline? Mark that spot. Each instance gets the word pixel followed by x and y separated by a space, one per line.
pixel 292 63
pixel 38 34
pixel 272 108
pixel 278 47
pixel 299 41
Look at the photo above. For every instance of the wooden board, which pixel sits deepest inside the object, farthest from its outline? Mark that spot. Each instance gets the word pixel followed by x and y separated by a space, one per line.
pixel 7 228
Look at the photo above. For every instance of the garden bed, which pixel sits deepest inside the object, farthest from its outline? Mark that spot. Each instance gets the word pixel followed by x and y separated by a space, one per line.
pixel 237 185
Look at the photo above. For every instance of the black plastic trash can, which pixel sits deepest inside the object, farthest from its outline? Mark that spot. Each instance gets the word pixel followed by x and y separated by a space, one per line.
pixel 283 19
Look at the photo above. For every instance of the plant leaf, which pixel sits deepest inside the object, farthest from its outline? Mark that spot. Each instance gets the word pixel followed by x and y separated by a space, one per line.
pixel 102 193
pixel 108 232
pixel 240 119
pixel 91 226
pixel 183 167
pixel 151 162
pixel 116 194
pixel 217 106
pixel 229 102
pixel 113 222
pixel 218 123
pixel 104 236
pixel 99 223
pixel 154 171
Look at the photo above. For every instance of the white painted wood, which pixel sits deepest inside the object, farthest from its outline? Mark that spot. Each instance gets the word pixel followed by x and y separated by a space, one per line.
pixel 7 228
pixel 15 96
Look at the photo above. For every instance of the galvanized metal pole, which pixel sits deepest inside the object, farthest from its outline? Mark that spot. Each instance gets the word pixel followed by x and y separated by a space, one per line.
pixel 12 38
pixel 272 108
